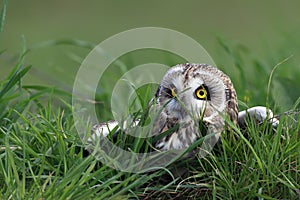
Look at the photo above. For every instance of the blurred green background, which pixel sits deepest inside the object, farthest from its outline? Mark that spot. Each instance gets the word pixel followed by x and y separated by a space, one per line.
pixel 254 35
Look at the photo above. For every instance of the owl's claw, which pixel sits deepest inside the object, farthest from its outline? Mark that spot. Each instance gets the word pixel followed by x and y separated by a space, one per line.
pixel 258 113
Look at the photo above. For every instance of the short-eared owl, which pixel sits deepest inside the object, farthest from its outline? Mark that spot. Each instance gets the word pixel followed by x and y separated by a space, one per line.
pixel 191 96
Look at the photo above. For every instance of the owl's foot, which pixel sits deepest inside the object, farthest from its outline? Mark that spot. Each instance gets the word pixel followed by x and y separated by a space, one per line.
pixel 259 114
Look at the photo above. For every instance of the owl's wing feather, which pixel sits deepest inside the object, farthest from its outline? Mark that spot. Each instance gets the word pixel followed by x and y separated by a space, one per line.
pixel 110 128
pixel 259 114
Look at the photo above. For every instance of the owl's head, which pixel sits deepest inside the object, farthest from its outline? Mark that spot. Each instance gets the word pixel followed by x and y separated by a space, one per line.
pixel 197 90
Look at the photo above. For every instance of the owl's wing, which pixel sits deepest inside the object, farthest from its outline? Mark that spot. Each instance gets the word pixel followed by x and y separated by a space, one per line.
pixel 113 127
pixel 110 128
pixel 259 114
pixel 105 128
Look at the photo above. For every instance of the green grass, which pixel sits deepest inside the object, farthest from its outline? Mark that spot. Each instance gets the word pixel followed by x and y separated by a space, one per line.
pixel 42 156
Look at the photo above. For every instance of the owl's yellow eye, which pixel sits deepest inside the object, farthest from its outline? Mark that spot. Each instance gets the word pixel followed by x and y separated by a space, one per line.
pixel 202 93
pixel 173 93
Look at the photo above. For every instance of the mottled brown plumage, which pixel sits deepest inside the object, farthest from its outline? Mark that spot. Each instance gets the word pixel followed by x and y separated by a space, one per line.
pixel 187 110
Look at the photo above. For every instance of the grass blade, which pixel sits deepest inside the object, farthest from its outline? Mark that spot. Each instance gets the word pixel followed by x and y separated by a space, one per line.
pixel 3 14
